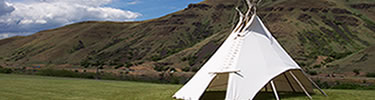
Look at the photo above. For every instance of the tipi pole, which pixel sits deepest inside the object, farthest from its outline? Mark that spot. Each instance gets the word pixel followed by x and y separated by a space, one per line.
pixel 274 90
pixel 300 84
pixel 240 22
pixel 290 84
pixel 316 86
pixel 249 5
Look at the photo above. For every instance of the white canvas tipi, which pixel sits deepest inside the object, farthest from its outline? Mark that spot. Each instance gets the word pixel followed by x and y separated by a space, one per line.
pixel 249 61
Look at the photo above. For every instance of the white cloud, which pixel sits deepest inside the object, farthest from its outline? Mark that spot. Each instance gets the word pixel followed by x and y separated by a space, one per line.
pixel 133 2
pixel 81 2
pixel 5 35
pixel 43 14
pixel 5 8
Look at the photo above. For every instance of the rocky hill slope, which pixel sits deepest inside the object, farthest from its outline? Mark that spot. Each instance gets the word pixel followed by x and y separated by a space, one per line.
pixel 318 34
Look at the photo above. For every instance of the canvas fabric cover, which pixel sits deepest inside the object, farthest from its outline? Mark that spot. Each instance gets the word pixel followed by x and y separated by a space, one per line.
pixel 244 64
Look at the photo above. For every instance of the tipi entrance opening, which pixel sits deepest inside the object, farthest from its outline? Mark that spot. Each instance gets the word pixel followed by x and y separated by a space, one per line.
pixel 219 83
pixel 217 88
pixel 284 85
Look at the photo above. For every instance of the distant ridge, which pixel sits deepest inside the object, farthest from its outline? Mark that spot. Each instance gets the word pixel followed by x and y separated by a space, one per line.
pixel 317 33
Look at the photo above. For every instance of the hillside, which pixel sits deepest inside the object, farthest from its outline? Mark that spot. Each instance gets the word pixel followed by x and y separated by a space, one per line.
pixel 318 34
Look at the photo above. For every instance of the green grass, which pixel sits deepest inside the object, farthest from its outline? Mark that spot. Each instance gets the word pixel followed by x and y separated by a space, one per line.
pixel 21 87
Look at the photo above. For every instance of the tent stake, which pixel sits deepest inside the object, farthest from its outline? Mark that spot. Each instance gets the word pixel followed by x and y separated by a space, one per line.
pixel 299 83
pixel 316 86
pixel 274 90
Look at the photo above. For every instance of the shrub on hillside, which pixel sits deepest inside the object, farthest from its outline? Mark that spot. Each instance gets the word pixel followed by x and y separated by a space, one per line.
pixel 186 69
pixel 156 58
pixel 340 55
pixel 370 75
pixel 316 66
pixel 328 60
pixel 128 64
pixel 161 68
pixel 195 69
pixel 312 72
pixel 65 73
pixel 356 71
pixel 323 85
pixel 85 63
pixel 192 60
pixel 177 80
pixel 118 66
pixel 353 86
pixel 347 86
pixel 5 70
pixel 184 58
pixel 329 66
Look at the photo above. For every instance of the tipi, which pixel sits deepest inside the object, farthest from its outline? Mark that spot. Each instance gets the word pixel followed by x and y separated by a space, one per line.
pixel 249 61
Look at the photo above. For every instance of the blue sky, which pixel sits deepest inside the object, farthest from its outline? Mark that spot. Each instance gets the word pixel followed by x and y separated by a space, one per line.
pixel 152 8
pixel 25 17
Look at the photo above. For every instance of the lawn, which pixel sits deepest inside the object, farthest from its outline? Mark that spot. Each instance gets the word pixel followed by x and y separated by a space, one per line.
pixel 22 87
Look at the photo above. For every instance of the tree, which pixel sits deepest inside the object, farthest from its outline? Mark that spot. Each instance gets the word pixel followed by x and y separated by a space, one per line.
pixel 98 65
pixel 356 71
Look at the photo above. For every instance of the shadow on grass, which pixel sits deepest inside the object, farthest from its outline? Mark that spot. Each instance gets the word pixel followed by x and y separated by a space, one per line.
pixel 220 95
pixel 282 95
pixel 213 95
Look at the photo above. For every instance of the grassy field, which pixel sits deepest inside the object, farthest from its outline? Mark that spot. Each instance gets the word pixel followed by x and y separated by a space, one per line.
pixel 21 87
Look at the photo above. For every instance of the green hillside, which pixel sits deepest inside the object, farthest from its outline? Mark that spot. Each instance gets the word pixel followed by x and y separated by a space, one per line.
pixel 21 87
pixel 318 34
